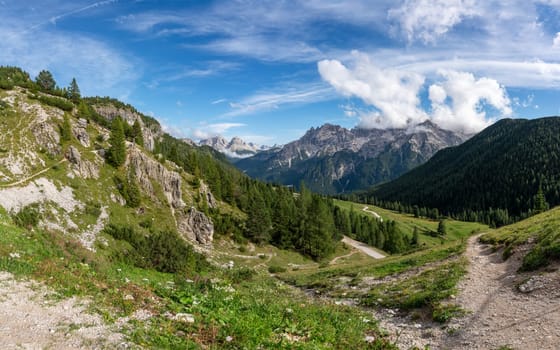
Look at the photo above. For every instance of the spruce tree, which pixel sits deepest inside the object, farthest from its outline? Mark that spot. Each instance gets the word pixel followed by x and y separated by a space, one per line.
pixel 540 201
pixel 415 237
pixel 65 129
pixel 116 155
pixel 136 133
pixel 73 91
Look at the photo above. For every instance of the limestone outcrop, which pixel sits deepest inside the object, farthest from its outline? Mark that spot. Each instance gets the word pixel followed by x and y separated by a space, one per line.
pixel 196 227
pixel 147 169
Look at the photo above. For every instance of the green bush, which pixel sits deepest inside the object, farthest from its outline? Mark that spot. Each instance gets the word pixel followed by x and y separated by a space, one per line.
pixel 162 251
pixel 27 217
pixel 276 269
pixel 61 103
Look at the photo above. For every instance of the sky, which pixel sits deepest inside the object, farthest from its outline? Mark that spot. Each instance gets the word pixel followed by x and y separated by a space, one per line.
pixel 267 71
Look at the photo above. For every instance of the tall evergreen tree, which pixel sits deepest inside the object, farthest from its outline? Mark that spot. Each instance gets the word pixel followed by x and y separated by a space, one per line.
pixel 540 201
pixel 136 133
pixel 73 91
pixel 45 81
pixel 65 129
pixel 258 223
pixel 116 155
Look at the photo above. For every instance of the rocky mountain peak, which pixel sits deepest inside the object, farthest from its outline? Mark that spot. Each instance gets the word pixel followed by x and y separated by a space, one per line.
pixel 235 148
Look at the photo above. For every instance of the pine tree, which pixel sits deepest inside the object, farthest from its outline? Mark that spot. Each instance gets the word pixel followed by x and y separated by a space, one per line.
pixel 73 91
pixel 65 129
pixel 136 133
pixel 116 155
pixel 45 81
pixel 540 201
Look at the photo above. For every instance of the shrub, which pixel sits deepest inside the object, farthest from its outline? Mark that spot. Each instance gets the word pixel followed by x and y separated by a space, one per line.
pixel 162 251
pixel 27 217
pixel 276 269
pixel 63 104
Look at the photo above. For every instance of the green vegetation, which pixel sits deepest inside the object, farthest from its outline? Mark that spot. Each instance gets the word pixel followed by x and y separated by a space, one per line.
pixel 542 229
pixel 27 217
pixel 53 101
pixel 425 289
pixel 116 154
pixel 462 182
pixel 45 81
pixel 66 129
pixel 228 309
pixel 73 91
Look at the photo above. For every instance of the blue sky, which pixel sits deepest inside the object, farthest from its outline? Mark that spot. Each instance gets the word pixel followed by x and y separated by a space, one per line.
pixel 269 70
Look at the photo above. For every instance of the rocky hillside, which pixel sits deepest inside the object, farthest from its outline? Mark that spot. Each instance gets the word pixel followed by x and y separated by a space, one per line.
pixel 233 149
pixel 332 159
pixel 68 179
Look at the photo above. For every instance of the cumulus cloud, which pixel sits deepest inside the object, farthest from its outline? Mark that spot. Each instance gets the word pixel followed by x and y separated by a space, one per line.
pixel 394 93
pixel 458 101
pixel 429 19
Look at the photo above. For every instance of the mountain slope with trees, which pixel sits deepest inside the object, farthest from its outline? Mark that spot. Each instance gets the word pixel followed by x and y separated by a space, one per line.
pixel 506 172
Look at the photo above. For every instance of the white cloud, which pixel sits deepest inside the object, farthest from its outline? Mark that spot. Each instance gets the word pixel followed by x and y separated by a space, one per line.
pixel 278 96
pixel 429 19
pixel 394 93
pixel 556 41
pixel 458 101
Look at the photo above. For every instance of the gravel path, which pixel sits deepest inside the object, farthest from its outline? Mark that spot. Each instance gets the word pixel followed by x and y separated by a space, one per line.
pixel 363 247
pixel 498 315
pixel 30 320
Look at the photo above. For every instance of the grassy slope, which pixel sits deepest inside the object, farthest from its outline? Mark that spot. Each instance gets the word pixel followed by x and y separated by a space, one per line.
pixel 542 230
pixel 254 310
pixel 456 230
pixel 431 274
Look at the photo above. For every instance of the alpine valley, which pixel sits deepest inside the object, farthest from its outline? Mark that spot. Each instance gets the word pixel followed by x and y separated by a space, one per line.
pixel 117 235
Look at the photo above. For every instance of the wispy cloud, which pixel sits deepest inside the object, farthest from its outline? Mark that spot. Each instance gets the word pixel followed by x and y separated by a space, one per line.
pixel 210 130
pixel 272 99
pixel 98 67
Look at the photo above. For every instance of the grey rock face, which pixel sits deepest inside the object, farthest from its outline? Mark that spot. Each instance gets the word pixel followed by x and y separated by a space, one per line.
pixel 235 148
pixel 47 137
pixel 83 168
pixel 80 132
pixel 197 227
pixel 333 159
pixel 147 169
pixel 150 134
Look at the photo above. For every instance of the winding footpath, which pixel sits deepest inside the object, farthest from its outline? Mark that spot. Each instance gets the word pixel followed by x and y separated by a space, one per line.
pixel 377 216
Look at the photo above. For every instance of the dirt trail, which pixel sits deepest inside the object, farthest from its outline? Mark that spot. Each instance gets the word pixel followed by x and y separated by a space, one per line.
pixel 363 247
pixel 501 315
pixel 377 216
pixel 30 320
pixel 498 314
pixel 27 178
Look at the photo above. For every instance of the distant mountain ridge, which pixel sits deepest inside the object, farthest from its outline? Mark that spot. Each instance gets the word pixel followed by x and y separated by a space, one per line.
pixel 332 159
pixel 235 148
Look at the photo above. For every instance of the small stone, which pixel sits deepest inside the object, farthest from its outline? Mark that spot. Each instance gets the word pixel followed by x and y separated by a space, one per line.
pixel 369 338
pixel 184 317
pixel 128 297
pixel 229 338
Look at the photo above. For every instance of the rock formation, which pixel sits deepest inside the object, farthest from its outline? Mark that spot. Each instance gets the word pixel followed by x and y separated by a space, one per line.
pixel 197 227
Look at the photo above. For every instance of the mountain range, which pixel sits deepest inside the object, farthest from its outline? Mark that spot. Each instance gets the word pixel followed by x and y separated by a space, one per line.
pixel 235 148
pixel 331 159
